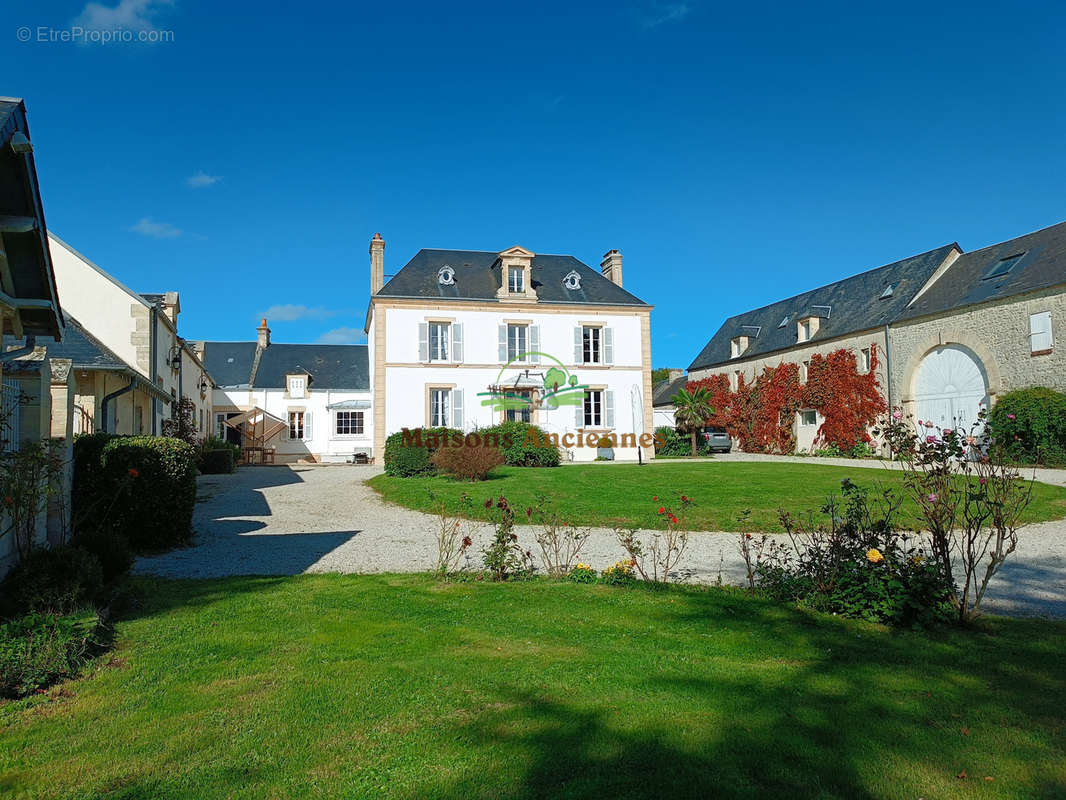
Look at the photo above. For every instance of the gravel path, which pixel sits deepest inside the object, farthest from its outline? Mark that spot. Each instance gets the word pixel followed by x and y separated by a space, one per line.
pixel 291 520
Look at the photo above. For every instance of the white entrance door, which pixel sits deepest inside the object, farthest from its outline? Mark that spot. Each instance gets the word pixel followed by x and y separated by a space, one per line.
pixel 950 387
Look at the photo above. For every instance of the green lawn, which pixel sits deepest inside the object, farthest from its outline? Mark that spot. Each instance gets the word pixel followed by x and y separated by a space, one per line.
pixel 399 686
pixel 606 494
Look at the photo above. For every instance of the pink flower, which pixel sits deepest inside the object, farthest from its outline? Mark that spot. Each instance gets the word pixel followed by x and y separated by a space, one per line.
pixel 897 415
pixel 947 431
pixel 971 440
pixel 929 423
pixel 984 481
pixel 930 439
pixel 1011 416
pixel 932 498
pixel 919 422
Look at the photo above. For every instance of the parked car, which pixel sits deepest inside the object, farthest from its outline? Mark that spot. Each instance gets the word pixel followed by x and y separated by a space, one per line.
pixel 717 439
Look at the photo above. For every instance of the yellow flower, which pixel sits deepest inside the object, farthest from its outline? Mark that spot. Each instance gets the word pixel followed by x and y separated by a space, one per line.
pixel 873 555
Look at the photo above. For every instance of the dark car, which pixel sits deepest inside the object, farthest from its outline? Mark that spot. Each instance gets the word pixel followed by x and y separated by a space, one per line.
pixel 717 439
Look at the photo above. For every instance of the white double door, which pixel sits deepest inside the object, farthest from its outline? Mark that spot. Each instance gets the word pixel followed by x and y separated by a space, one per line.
pixel 950 388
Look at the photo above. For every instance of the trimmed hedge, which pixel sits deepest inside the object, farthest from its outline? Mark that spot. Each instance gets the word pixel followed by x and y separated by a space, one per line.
pixel 518 443
pixel 142 487
pixel 217 462
pixel 405 460
pixel 54 581
pixel 38 650
pixel 1029 426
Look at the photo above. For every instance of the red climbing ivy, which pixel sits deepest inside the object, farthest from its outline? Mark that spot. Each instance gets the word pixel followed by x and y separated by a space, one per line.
pixel 761 415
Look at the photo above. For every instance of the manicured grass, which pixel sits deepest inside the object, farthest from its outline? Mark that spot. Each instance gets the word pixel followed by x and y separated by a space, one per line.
pixel 399 686
pixel 609 494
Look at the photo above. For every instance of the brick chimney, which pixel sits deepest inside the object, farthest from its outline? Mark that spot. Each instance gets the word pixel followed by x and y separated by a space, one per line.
pixel 263 340
pixel 611 266
pixel 377 263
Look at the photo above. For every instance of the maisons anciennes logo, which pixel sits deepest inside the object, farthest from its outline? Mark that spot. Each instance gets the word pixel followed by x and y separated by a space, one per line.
pixel 529 390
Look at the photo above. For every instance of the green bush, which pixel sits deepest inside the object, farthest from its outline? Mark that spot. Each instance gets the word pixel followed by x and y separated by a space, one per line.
pixel 522 444
pixel 405 460
pixel 677 444
pixel 143 487
pixel 55 581
pixel 217 462
pixel 111 548
pixel 1029 426
pixel 38 650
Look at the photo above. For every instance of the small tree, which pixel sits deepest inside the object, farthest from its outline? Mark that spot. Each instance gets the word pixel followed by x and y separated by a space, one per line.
pixel 182 422
pixel 691 410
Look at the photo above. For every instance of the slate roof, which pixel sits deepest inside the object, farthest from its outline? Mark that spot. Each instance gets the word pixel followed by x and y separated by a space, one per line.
pixel 331 366
pixel 855 304
pixel 475 279
pixel 663 392
pixel 1043 265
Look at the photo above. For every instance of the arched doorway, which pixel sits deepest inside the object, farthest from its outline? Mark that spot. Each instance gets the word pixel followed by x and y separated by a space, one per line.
pixel 950 387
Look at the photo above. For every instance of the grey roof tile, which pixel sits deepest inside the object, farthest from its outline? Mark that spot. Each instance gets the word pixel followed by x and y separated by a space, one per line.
pixel 331 366
pixel 663 392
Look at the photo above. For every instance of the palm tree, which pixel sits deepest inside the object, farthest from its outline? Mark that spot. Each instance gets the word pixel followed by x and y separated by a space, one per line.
pixel 691 410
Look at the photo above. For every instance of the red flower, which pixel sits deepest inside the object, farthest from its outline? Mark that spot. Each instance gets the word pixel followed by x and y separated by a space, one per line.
pixel 747 535
pixel 529 513
pixel 673 519
pixel 662 510
pixel 467 541
pixel 133 472
pixel 9 500
pixel 684 499
pixel 655 498
pixel 488 503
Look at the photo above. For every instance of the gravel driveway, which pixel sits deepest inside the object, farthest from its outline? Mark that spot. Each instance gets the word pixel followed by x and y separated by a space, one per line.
pixel 287 520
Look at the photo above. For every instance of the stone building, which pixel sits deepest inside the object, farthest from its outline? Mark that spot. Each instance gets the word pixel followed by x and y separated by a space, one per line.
pixel 952 330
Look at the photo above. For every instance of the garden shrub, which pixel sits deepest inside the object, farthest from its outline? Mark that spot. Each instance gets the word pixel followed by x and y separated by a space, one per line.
pixel 619 574
pixel 411 455
pixel 38 650
pixel 469 462
pixel 581 573
pixel 143 487
pixel 57 581
pixel 677 444
pixel 1028 426
pixel 110 547
pixel 217 462
pixel 523 444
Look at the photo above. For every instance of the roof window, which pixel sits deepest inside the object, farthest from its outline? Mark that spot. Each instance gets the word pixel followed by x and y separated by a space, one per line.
pixel 1003 266
pixel 887 293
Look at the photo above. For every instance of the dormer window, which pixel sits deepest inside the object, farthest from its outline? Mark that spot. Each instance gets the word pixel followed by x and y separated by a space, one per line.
pixel 516 276
pixel 737 346
pixel 297 385
pixel 516 283
pixel 572 281
pixel 446 276
pixel 806 328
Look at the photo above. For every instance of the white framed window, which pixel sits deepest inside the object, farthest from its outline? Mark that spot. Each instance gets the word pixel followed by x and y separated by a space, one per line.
pixel 737 345
pixel 593 408
pixel 516 280
pixel 348 423
pixel 591 345
pixel 299 425
pixel 297 385
pixel 523 414
pixel 808 417
pixel 864 359
pixel 220 425
pixel 517 342
pixel 1040 338
pixel 734 380
pixel 440 401
pixel 439 339
pixel 804 329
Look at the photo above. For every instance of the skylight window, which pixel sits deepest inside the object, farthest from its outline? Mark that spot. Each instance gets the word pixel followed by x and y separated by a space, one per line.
pixel 887 293
pixel 1003 266
pixel 784 322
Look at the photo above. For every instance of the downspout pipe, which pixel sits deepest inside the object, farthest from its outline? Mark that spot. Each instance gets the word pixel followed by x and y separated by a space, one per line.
pixel 107 400
pixel 888 377
pixel 152 347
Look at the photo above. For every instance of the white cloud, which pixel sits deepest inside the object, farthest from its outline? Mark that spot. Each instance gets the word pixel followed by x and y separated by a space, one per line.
pixel 661 13
pixel 147 226
pixel 201 179
pixel 344 335
pixel 291 313
pixel 134 15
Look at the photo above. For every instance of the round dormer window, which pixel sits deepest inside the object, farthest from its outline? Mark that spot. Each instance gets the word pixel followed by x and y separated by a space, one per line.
pixel 572 281
pixel 446 276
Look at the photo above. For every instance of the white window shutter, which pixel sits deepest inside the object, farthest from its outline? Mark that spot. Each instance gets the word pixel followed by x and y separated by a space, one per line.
pixel 457 341
pixel 534 344
pixel 579 415
pixel 423 341
pixel 307 425
pixel 578 355
pixel 457 408
pixel 1040 331
pixel 503 343
pixel 608 409
pixel 288 429
pixel 608 345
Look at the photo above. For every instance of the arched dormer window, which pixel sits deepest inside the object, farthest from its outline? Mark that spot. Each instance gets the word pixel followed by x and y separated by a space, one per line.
pixel 572 281
pixel 446 276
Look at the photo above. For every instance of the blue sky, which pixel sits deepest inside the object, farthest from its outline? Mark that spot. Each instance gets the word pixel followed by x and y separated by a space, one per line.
pixel 735 154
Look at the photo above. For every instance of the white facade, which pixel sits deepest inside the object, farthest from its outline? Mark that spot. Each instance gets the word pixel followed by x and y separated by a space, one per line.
pixel 477 356
pixel 323 425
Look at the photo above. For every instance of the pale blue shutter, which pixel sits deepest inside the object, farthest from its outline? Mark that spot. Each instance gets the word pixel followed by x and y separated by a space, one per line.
pixel 534 344
pixel 608 346
pixel 608 409
pixel 457 408
pixel 307 425
pixel 579 415
pixel 457 342
pixel 423 341
pixel 578 356
pixel 503 343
